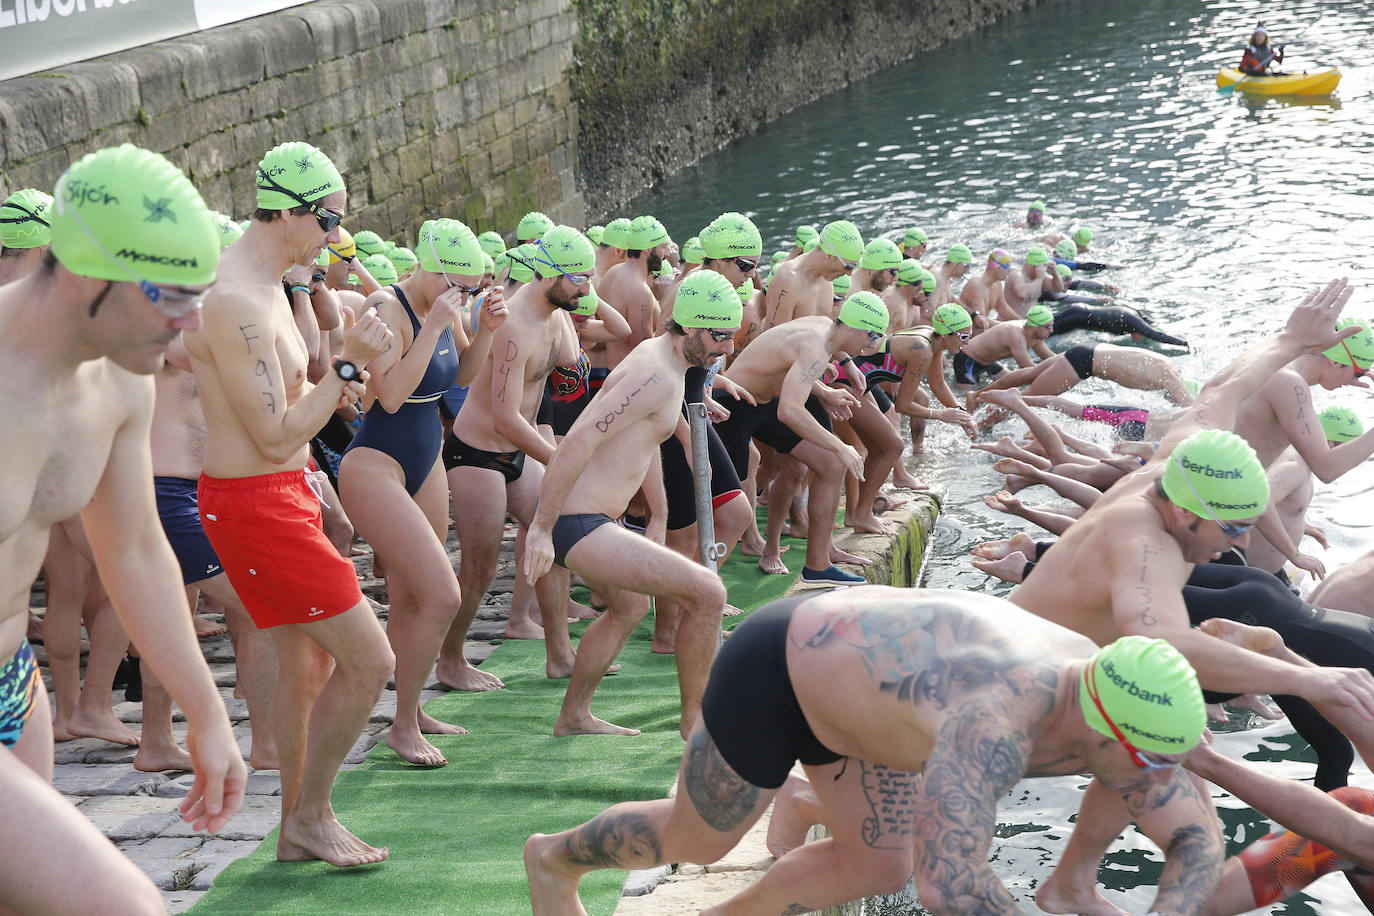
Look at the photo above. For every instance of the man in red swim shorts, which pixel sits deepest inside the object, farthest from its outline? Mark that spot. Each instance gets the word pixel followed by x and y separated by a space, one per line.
pixel 257 505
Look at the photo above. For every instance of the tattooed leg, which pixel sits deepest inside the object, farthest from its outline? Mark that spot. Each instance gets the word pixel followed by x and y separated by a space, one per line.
pixel 870 811
pixel 1072 886
pixel 712 810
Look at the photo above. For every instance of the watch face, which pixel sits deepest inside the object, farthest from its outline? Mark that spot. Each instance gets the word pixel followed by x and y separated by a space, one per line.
pixel 347 371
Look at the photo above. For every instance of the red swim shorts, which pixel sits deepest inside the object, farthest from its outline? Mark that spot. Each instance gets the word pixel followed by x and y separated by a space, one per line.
pixel 269 536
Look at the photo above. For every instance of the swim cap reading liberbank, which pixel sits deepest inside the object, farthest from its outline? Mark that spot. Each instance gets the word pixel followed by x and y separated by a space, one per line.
pixel 589 303
pixel 403 259
pixel 841 285
pixel 1218 471
pixel 566 248
pixel 807 234
pixel 520 260
pixel 731 235
pixel 126 214
pixel 492 243
pixel 448 247
pixel 881 254
pixel 705 299
pixel 295 173
pixel 380 268
pixel 864 311
pixel 1339 424
pixel 910 272
pixel 951 317
pixel 532 225
pixel 368 243
pixel 692 252
pixel 22 220
pixel 1039 316
pixel 1148 690
pixel 842 240
pixel 928 281
pixel 1357 351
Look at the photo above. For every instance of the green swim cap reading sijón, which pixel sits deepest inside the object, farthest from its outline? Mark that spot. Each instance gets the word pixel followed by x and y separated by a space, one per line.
pixel 705 299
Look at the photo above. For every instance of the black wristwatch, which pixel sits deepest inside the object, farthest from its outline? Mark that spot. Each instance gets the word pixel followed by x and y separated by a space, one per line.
pixel 346 370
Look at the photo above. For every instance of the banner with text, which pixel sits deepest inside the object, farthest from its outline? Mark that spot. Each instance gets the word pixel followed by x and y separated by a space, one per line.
pixel 38 35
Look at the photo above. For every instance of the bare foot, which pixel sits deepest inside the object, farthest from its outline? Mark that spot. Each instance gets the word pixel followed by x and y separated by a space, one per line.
pixel 590 725
pixel 432 726
pixel 1013 467
pixel 1015 484
pixel 1256 639
pixel 1139 449
pixel 60 732
pixel 870 525
pixel 1010 568
pixel 206 627
pixel 773 565
pixel 1251 703
pixel 843 556
pixel 665 646
pixel 1055 896
pixel 886 504
pixel 553 891
pixel 1217 713
pixel 1001 397
pixel 797 528
pixel 1003 501
pixel 996 550
pixel 556 671
pixel 523 629
pixel 731 611
pixel 327 840
pixel 751 544
pixel 579 611
pixel 787 825
pixel 466 677
pixel 263 756
pixel 905 481
pixel 161 759
pixel 104 726
pixel 413 748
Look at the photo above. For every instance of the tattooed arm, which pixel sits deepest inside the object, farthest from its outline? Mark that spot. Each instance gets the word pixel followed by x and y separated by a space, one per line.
pixel 979 754
pixel 1181 823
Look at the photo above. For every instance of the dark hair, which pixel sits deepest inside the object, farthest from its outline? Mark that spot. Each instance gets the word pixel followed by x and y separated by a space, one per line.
pixel 634 252
pixel 266 216
pixel 672 327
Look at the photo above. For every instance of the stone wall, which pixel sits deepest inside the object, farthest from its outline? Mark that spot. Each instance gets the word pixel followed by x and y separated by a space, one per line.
pixel 428 107
pixel 662 83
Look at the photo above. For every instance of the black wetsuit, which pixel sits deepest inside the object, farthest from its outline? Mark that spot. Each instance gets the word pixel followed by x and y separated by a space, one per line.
pixel 1110 319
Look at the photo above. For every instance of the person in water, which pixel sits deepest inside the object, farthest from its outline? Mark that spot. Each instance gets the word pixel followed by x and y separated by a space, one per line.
pixel 1260 55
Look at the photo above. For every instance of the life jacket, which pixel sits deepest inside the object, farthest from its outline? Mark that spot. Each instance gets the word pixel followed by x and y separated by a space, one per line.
pixel 1256 59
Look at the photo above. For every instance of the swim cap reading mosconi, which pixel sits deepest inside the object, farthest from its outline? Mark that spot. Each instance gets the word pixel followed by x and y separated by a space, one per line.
pixel 705 299
pixel 1148 690
pixel 295 173
pixel 951 317
pixel 881 254
pixel 1039 316
pixel 23 223
pixel 731 235
pixel 1217 470
pixel 567 248
pixel 449 247
pixel 532 225
pixel 1358 350
pixel 1339 424
pixel 124 214
pixel 842 240
pixel 864 311
pixel 841 285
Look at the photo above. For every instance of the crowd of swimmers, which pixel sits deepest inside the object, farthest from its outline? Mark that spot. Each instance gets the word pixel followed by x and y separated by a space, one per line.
pixel 235 405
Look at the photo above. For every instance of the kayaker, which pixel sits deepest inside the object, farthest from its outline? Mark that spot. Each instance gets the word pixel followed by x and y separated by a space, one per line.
pixel 1259 54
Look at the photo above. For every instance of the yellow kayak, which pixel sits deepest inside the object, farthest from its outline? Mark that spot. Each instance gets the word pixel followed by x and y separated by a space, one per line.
pixel 1315 82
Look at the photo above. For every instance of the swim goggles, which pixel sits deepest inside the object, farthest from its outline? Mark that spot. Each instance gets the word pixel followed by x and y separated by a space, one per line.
pixel 328 219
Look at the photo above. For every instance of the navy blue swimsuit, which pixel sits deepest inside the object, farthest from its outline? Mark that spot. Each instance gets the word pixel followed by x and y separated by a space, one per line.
pixel 412 435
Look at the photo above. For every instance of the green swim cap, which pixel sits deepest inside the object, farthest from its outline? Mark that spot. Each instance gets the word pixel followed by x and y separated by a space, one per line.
pixel 745 291
pixel 731 235
pixel 928 281
pixel 842 239
pixel 124 214
pixel 692 252
pixel 380 268
pixel 864 311
pixel 489 264
pixel 1039 316
pixel 532 225
pixel 593 234
pixel 1036 257
pixel 616 234
pixel 1340 424
pixel 950 318
pixel 1037 205
pixel 499 263
pixel 403 259
pixel 22 220
pixel 665 270
pixel 1063 270
pixel 1357 351
pixel 914 237
pixel 910 272
pixel 881 254
pixel 779 257
pixel 521 263
pixel 646 233
pixel 388 247
pixel 1148 690
pixel 707 300
pixel 492 243
pixel 1192 385
pixel 806 234
pixel 1066 249
pixel 587 305
pixel 1082 235
pixel 353 280
pixel 448 247
pixel 1216 470
pixel 810 244
pixel 842 285
pixel 229 233
pixel 565 247
pixel 344 251
pixel 295 173
pixel 959 254
pixel 368 243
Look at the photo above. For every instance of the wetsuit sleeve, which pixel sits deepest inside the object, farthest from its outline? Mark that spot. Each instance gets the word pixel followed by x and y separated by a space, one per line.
pixel 695 385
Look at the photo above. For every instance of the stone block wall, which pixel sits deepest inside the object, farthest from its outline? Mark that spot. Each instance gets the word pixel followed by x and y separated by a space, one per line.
pixel 429 107
pixel 662 83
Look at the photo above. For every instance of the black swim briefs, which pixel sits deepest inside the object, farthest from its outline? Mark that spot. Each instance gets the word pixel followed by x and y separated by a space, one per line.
pixel 1081 358
pixel 569 529
pixel 748 421
pixel 458 453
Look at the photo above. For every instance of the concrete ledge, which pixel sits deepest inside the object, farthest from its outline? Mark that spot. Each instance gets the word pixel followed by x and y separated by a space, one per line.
pixel 681 889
